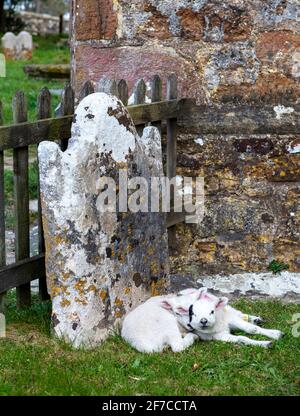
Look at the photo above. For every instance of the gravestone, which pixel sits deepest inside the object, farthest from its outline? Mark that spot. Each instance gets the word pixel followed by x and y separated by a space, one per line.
pixel 24 46
pixel 17 47
pixel 8 43
pixel 2 66
pixel 100 264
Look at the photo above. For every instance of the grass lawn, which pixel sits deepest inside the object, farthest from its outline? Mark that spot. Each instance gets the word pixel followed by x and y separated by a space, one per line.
pixel 46 52
pixel 31 363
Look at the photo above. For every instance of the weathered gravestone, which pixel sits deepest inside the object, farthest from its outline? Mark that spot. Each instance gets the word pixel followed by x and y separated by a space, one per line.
pixel 100 264
pixel 17 47
pixel 2 66
pixel 24 46
pixel 8 43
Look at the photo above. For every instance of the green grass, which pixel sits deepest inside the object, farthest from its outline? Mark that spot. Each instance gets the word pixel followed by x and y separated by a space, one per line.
pixel 31 363
pixel 47 52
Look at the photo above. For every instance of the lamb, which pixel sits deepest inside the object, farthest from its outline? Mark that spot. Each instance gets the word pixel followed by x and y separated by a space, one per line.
pixel 177 321
pixel 212 318
pixel 159 323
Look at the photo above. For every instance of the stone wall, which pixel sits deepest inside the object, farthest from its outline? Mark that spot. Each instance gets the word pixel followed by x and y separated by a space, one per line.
pixel 222 51
pixel 39 24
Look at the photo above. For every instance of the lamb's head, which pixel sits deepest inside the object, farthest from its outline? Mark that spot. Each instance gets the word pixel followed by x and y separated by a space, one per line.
pixel 182 305
pixel 205 310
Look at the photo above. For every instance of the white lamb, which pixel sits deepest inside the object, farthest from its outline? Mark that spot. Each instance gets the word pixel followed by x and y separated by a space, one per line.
pixel 212 318
pixel 170 321
pixel 159 323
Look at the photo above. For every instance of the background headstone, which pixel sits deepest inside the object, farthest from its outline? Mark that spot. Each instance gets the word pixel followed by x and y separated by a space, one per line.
pixel 2 66
pixel 24 46
pixel 99 265
pixel 8 43
pixel 17 47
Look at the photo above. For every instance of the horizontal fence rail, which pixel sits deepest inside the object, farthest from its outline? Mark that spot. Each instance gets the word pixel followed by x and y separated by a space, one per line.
pixel 225 120
pixel 229 119
pixel 26 134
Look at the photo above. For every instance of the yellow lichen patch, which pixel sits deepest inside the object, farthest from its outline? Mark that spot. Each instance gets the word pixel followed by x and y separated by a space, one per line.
pixel 264 239
pixel 81 301
pixel 64 303
pixel 55 291
pixel 154 291
pixel 159 288
pixel 206 251
pixel 64 290
pixel 92 288
pixel 127 290
pixel 80 286
pixel 118 302
pixel 121 258
pixel 103 295
pixel 118 314
pixel 58 239
pixel 65 275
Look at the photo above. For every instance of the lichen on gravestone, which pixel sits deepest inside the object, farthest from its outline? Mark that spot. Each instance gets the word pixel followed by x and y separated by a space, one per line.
pixel 99 264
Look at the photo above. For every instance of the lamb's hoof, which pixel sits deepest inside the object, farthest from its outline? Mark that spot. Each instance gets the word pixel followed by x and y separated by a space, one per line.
pixel 258 321
pixel 270 344
pixel 282 335
pixel 275 334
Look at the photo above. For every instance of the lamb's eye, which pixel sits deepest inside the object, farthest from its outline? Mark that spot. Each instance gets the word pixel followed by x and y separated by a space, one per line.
pixel 212 312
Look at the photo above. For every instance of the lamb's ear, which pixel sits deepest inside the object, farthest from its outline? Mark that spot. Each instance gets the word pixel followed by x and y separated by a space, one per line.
pixel 222 303
pixel 182 311
pixel 166 305
pixel 187 292
pixel 202 292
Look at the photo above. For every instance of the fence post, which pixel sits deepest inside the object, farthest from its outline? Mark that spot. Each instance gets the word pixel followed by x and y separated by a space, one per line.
pixel 87 89
pixel 61 24
pixel 67 109
pixel 21 202
pixel 156 96
pixel 2 215
pixel 172 150
pixel 123 92
pixel 44 111
pixel 109 86
pixel 140 98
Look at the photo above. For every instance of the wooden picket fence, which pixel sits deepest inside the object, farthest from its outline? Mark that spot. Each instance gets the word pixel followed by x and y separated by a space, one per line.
pixel 184 113
pixel 23 134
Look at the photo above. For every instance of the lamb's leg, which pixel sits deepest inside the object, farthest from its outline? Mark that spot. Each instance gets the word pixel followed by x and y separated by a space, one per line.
pixel 256 320
pixel 256 330
pixel 179 344
pixel 226 337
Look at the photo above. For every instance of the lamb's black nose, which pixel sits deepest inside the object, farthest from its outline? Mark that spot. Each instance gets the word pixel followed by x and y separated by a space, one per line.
pixel 203 321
